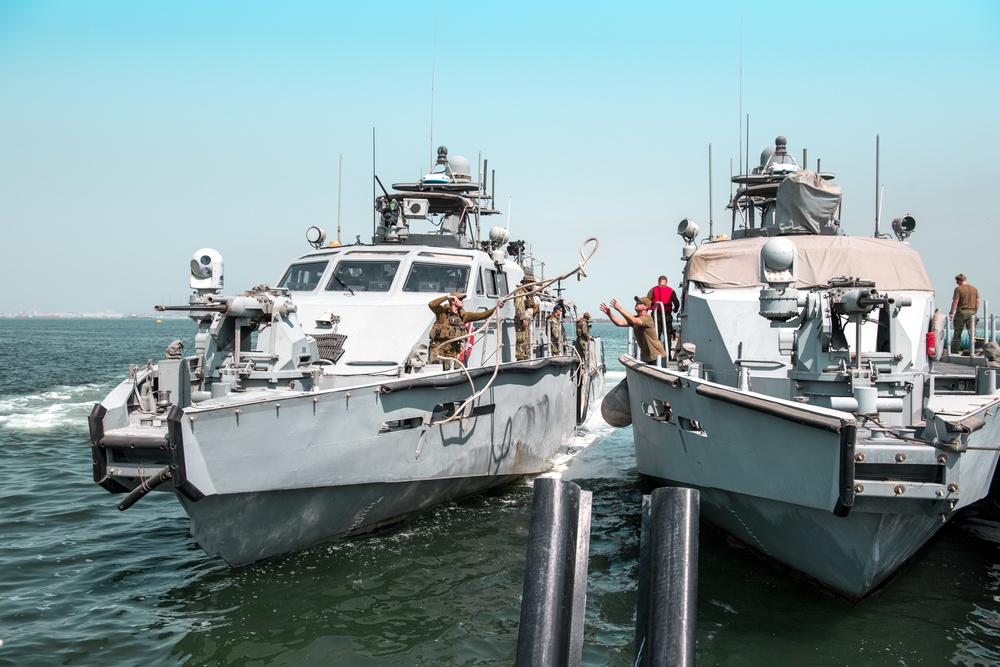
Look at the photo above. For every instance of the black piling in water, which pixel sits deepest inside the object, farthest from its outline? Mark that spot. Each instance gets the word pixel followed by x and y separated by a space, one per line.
pixel 667 607
pixel 555 576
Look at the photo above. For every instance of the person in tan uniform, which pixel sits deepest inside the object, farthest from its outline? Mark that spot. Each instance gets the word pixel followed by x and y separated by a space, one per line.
pixel 449 322
pixel 642 325
pixel 556 332
pixel 525 307
pixel 583 337
pixel 964 304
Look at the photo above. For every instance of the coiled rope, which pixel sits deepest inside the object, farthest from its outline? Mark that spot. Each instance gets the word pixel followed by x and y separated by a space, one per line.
pixel 521 290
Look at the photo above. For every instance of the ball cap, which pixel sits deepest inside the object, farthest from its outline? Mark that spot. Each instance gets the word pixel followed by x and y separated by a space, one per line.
pixel 458 295
pixel 644 300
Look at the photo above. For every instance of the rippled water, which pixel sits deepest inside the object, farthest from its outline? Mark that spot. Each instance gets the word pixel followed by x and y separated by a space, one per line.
pixel 84 584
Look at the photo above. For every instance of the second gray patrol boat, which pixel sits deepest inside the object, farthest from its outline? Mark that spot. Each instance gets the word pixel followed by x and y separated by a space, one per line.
pixel 807 402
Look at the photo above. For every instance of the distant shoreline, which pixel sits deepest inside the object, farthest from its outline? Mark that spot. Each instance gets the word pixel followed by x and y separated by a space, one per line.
pixel 133 316
pixel 88 316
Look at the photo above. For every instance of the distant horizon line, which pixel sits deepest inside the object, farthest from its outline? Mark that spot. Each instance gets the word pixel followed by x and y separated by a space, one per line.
pixel 107 315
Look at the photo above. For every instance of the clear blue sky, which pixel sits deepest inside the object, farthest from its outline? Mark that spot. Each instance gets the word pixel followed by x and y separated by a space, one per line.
pixel 134 133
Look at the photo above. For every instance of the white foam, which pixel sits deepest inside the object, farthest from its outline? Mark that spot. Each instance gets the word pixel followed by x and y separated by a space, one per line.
pixel 59 406
pixel 587 433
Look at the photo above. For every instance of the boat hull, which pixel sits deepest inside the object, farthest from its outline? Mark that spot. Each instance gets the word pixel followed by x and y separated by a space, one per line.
pixel 780 477
pixel 852 556
pixel 247 527
pixel 267 472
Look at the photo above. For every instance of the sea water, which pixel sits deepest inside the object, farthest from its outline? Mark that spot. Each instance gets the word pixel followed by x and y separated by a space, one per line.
pixel 84 584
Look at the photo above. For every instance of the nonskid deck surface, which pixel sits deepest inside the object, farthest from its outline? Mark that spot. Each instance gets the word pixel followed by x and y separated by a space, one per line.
pixel 948 368
pixel 938 368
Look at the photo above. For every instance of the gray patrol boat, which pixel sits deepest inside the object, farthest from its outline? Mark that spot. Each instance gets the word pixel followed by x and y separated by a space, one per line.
pixel 807 401
pixel 309 410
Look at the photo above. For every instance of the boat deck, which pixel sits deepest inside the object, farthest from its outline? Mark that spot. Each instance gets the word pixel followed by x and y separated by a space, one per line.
pixel 952 368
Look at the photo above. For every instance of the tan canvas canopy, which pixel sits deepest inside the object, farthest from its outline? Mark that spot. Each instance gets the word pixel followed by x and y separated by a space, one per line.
pixel 893 266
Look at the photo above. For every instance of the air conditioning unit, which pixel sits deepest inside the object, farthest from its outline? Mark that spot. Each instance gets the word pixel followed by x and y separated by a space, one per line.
pixel 415 208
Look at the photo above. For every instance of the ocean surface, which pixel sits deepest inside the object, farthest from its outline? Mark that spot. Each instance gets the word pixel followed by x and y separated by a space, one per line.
pixel 84 584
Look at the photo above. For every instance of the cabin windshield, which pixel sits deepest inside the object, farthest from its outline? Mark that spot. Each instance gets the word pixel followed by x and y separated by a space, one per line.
pixel 362 276
pixel 303 277
pixel 438 278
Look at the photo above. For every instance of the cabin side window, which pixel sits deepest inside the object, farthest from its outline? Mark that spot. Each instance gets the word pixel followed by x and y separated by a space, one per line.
pixel 303 277
pixel 425 277
pixel 502 284
pixel 491 283
pixel 355 276
pixel 480 290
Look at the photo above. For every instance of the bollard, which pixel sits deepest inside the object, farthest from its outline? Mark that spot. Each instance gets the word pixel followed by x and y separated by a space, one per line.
pixel 667 605
pixel 554 597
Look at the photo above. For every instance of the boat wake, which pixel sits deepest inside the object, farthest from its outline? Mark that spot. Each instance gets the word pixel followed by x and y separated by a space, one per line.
pixel 589 432
pixel 612 378
pixel 57 407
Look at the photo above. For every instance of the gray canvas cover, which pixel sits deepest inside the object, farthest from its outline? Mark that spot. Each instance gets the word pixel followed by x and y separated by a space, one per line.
pixel 806 202
pixel 892 265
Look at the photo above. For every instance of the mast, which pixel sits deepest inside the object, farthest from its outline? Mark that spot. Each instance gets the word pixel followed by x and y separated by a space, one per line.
pixel 711 234
pixel 340 192
pixel 877 154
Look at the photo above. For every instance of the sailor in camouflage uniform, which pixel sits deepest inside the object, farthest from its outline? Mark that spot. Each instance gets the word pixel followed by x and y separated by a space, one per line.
pixel 583 337
pixel 525 307
pixel 450 320
pixel 555 332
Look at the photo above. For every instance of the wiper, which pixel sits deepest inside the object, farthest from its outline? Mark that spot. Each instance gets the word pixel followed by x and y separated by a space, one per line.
pixel 344 285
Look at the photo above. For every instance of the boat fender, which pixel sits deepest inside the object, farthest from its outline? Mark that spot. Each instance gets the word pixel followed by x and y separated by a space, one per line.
pixel 615 406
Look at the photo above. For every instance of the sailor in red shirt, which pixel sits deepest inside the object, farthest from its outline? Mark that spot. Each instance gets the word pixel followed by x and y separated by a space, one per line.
pixel 664 302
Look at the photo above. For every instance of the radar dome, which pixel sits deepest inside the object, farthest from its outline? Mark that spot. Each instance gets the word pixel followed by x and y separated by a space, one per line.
pixel 778 254
pixel 460 168
pixel 766 155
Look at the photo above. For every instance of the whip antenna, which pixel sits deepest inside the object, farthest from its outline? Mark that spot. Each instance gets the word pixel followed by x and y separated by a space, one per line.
pixel 710 234
pixel 878 204
pixel 433 62
pixel 340 192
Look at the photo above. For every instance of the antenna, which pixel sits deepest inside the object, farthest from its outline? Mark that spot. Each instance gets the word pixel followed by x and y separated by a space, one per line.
pixel 878 215
pixel 747 168
pixel 340 192
pixel 374 180
pixel 732 200
pixel 433 63
pixel 711 235
pixel 741 87
pixel 877 204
